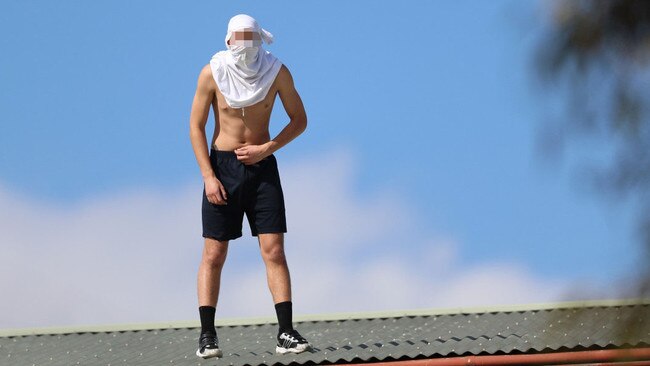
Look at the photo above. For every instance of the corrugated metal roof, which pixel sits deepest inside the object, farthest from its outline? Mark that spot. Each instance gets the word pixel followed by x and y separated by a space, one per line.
pixel 348 339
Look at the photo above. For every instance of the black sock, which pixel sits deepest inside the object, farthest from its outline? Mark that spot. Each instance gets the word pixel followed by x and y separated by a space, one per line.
pixel 207 319
pixel 283 310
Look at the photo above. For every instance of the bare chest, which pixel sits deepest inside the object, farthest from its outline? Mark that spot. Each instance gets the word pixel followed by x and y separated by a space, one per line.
pixel 260 111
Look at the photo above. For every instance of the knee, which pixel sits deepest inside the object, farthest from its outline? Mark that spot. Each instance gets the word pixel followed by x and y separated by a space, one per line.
pixel 214 256
pixel 275 254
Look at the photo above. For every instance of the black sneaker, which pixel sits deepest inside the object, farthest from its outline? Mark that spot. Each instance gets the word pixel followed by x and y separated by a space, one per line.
pixel 291 341
pixel 208 346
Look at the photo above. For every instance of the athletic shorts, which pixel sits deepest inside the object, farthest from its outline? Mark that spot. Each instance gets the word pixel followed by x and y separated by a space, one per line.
pixel 252 189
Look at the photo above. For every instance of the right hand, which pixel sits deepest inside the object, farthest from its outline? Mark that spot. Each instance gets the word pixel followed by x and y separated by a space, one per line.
pixel 215 191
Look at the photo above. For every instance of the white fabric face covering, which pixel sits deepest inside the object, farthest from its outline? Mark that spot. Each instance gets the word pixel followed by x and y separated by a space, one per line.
pixel 245 71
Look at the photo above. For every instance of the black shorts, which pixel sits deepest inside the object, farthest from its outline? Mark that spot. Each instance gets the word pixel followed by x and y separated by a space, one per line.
pixel 252 189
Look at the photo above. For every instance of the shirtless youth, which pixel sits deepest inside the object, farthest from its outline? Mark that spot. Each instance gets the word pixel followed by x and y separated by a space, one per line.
pixel 240 172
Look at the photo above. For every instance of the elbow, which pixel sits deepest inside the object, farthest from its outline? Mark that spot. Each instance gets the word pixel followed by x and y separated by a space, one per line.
pixel 196 127
pixel 301 123
pixel 196 131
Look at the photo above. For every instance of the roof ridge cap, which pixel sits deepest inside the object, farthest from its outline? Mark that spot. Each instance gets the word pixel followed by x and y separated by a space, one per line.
pixel 106 328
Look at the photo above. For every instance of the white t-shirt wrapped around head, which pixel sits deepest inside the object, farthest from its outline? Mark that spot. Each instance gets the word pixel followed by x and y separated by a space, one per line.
pixel 245 71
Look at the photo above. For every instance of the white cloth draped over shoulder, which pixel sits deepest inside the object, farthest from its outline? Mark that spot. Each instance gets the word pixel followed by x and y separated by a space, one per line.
pixel 244 74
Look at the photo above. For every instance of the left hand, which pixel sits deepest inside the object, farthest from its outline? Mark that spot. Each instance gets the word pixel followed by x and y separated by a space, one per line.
pixel 251 154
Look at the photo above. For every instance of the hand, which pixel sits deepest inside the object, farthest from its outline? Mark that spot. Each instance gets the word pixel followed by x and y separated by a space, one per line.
pixel 215 191
pixel 251 154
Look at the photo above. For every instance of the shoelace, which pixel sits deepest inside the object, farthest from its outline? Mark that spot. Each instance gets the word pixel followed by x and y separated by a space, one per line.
pixel 209 341
pixel 289 338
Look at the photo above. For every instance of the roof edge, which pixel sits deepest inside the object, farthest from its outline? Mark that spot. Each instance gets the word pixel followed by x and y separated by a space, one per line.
pixel 322 317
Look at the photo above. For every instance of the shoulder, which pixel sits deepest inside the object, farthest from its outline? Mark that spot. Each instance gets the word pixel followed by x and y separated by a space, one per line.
pixel 206 72
pixel 284 71
pixel 284 78
pixel 205 77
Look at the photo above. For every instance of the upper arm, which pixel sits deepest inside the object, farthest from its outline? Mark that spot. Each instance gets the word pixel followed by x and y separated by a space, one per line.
pixel 290 97
pixel 205 94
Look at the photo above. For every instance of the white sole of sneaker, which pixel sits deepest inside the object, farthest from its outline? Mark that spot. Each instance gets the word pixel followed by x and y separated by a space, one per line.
pixel 300 348
pixel 209 353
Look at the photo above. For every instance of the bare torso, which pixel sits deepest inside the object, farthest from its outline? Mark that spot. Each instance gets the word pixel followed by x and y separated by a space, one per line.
pixel 242 130
pixel 237 127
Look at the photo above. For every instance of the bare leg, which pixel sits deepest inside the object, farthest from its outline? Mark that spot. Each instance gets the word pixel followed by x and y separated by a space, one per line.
pixel 277 271
pixel 209 277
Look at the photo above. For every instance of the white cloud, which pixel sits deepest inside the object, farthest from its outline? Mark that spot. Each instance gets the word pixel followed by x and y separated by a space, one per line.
pixel 133 256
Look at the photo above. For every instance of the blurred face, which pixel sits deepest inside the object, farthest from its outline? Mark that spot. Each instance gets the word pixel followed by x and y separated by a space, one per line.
pixel 246 38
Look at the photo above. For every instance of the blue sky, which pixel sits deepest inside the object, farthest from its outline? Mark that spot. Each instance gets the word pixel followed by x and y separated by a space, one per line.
pixel 428 106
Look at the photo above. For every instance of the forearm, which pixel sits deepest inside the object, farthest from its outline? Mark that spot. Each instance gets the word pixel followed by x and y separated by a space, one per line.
pixel 292 130
pixel 200 146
